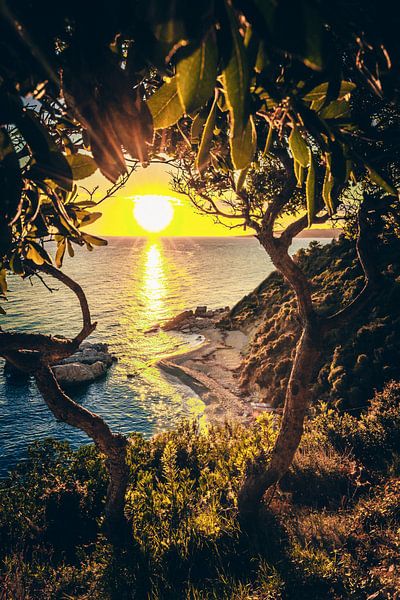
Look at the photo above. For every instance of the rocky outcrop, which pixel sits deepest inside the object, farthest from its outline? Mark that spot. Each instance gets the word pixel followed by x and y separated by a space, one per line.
pixel 89 353
pixel 178 321
pixel 190 321
pixel 75 373
pixel 91 362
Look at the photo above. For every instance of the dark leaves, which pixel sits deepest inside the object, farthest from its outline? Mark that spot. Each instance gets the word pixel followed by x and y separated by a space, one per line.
pixel 115 116
pixel 10 188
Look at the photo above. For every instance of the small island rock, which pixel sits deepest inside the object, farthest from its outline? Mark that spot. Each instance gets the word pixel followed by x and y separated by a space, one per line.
pixel 76 373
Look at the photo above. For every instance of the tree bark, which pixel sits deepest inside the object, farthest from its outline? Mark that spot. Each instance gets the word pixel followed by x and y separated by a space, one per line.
pixel 297 401
pixel 113 445
pixel 33 354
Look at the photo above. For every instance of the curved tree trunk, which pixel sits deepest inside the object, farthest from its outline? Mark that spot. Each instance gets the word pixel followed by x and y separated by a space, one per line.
pixel 113 445
pixel 309 346
pixel 297 401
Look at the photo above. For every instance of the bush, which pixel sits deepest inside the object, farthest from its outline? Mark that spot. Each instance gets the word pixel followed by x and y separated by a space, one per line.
pixel 374 437
pixel 316 539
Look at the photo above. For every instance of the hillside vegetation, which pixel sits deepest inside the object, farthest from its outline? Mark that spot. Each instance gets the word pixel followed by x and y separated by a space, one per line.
pixel 366 354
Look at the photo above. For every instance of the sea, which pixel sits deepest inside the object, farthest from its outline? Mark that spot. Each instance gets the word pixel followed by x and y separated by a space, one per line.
pixel 131 284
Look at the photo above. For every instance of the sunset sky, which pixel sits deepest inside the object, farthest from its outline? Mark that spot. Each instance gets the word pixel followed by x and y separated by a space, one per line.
pixel 118 212
pixel 118 218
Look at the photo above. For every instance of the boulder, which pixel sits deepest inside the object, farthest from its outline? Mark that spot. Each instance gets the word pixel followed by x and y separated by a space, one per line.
pixel 89 363
pixel 76 373
pixel 177 322
pixel 201 311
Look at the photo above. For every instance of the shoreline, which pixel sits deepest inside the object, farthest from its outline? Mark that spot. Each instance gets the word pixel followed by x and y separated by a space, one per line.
pixel 210 369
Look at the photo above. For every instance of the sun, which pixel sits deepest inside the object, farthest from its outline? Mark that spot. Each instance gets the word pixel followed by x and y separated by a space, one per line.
pixel 153 213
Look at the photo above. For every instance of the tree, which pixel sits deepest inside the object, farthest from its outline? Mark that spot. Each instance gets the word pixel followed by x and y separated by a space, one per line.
pixel 295 147
pixel 46 207
pixel 101 77
pixel 270 193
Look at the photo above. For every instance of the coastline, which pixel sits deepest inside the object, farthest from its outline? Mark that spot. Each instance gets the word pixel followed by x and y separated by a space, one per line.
pixel 210 370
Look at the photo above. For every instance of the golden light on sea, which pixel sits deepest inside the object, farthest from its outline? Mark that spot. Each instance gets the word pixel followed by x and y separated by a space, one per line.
pixel 154 280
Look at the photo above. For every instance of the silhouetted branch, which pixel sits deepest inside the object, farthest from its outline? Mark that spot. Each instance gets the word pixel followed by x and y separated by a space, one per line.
pixel 371 209
pixel 87 326
pixel 113 445
pixel 297 227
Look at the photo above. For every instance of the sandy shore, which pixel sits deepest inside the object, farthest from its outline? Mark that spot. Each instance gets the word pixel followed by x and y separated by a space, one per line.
pixel 210 371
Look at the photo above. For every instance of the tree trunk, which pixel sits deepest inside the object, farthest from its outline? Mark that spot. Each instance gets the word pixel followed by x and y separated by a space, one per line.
pixel 297 402
pixel 113 445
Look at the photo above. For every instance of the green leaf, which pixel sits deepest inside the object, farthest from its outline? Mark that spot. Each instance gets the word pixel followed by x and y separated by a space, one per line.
pixel 268 141
pixel 297 27
pixel 93 239
pixel 320 91
pixel 335 110
pixel 235 79
pixel 71 250
pixel 243 146
pixel 299 173
pixel 261 60
pixel 197 126
pixel 165 105
pixel 60 253
pixel 82 165
pixel 196 76
pixel 327 189
pixel 90 218
pixel 37 254
pixel 241 179
pixel 203 154
pixel 310 191
pixel 298 147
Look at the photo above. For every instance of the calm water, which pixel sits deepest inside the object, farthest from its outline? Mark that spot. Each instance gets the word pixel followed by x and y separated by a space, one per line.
pixel 130 285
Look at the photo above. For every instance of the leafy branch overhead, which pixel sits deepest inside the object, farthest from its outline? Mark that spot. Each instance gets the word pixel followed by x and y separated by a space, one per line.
pixel 110 87
pixel 291 77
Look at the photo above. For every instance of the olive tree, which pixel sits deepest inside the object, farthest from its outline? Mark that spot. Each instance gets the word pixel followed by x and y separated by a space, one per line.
pixel 86 85
pixel 287 133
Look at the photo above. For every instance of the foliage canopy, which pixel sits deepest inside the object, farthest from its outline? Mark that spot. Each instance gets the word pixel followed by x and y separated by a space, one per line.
pixel 93 85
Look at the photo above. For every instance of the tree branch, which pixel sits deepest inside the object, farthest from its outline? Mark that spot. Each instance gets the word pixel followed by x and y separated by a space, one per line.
pixel 297 227
pixel 51 348
pixel 279 201
pixel 369 226
pixel 87 326
pixel 113 445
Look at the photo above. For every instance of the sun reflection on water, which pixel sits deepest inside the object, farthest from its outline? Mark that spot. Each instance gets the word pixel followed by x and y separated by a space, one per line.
pixel 148 305
pixel 154 281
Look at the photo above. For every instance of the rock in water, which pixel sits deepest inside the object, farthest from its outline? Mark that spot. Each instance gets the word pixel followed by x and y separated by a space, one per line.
pixel 76 373
pixel 88 364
